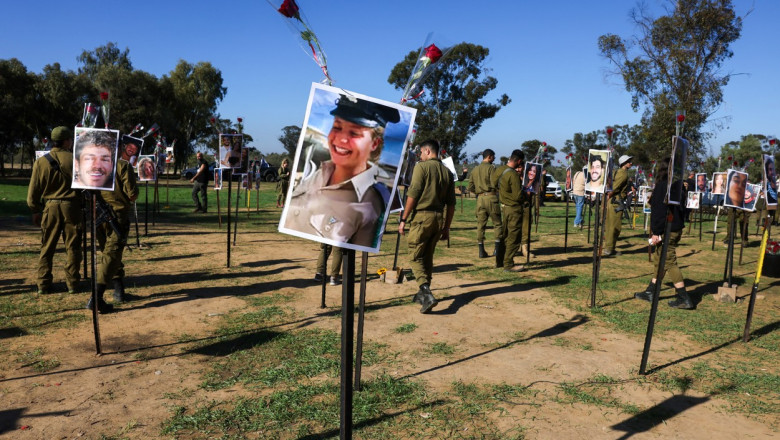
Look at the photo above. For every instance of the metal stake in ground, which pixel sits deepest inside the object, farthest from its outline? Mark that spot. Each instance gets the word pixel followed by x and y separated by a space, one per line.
pixel 235 222
pixel 93 233
pixel 229 172
pixel 84 215
pixel 566 228
pixel 759 268
pixel 744 237
pixel 347 334
pixel 361 311
pixel 701 214
pixel 596 253
pixel 146 210
pixel 659 277
pixel 590 206
pixel 715 228
pixel 727 269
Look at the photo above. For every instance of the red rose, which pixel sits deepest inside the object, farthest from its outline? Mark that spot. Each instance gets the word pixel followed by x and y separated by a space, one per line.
pixel 609 131
pixel 45 141
pixel 650 175
pixel 735 163
pixel 729 158
pixel 103 95
pixel 289 9
pixel 680 117
pixel 433 53
pixel 772 141
pixel 212 120
pixel 240 120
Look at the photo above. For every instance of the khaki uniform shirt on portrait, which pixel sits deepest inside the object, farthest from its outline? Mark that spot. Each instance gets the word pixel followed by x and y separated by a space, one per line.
pixel 346 212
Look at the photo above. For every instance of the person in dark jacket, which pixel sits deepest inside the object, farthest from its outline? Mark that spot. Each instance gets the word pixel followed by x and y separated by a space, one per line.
pixel 658 228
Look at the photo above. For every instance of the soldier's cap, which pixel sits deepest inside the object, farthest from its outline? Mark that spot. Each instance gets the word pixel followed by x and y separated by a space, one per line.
pixel 625 159
pixel 365 113
pixel 61 133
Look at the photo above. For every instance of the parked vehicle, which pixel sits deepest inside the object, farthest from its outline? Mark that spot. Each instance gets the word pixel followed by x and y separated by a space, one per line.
pixel 263 170
pixel 552 188
pixel 189 173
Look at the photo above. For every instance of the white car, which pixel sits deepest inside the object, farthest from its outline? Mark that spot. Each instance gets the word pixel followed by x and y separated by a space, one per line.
pixel 552 188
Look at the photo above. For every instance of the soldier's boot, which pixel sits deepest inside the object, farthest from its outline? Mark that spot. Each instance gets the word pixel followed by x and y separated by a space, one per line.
pixel 482 253
pixel 119 291
pixel 500 250
pixel 418 297
pixel 428 301
pixel 681 300
pixel 496 244
pixel 525 252
pixel 647 295
pixel 102 306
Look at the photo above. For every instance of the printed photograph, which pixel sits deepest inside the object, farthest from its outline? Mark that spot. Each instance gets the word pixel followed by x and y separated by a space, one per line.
pixel 752 193
pixel 229 153
pixel 719 183
pixel 346 167
pixel 94 158
pixel 568 179
pixel 645 192
pixel 244 179
pixel 701 182
pixel 531 176
pixel 736 186
pixel 677 170
pixel 770 180
pixel 217 179
pixel 693 200
pixel 131 148
pixel 146 169
pixel 598 166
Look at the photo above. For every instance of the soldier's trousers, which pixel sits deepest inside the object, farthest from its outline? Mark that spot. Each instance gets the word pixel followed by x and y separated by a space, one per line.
pixel 488 207
pixel 513 233
pixel 527 219
pixel 113 246
pixel 614 223
pixel 322 260
pixel 202 189
pixel 58 217
pixel 671 258
pixel 424 232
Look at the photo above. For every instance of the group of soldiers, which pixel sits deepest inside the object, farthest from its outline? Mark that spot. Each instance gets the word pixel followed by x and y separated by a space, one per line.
pixel 57 208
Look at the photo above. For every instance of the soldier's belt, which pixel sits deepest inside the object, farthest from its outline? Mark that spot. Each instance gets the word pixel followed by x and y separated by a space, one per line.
pixel 59 200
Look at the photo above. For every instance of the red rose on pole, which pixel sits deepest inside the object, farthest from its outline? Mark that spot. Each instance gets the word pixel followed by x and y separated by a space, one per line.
pixel 212 120
pixel 772 141
pixel 433 53
pixel 289 9
pixel 240 120
pixel 609 131
pixel 680 118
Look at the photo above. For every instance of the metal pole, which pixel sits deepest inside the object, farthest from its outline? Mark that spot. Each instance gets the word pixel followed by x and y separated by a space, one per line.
pixel 84 215
pixel 590 207
pixel 137 237
pixel 95 323
pixel 701 216
pixel 347 334
pixel 146 210
pixel 595 271
pixel 730 251
pixel 229 172
pixel 759 268
pixel 235 222
pixel 659 276
pixel 219 211
pixel 361 311
pixel 566 229
pixel 744 237
pixel 715 228
pixel 327 251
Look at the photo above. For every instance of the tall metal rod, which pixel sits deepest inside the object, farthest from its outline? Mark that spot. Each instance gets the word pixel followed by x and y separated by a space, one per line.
pixel 744 237
pixel 590 208
pixel 566 229
pixel 95 323
pixel 730 252
pixel 701 216
pixel 759 268
pixel 715 228
pixel 347 335
pixel 146 210
pixel 235 222
pixel 229 172
pixel 659 277
pixel 595 272
pixel 361 320
pixel 327 251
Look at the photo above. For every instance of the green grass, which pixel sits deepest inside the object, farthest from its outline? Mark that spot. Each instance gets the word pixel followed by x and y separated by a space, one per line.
pixel 406 328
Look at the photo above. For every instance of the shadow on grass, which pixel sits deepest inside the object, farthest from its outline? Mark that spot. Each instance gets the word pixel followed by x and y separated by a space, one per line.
pixel 656 415
pixel 238 343
pixel 174 257
pixel 557 329
pixel 762 331
pixel 370 422
pixel 9 418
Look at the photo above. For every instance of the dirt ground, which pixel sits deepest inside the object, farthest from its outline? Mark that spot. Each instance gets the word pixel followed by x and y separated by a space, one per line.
pixel 502 334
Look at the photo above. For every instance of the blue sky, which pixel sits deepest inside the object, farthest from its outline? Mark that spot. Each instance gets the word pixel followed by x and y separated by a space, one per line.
pixel 544 55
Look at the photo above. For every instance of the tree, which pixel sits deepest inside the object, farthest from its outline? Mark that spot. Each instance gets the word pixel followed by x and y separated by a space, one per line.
pixel 453 108
pixel 530 148
pixel 17 109
pixel 624 138
pixel 289 138
pixel 737 154
pixel 674 64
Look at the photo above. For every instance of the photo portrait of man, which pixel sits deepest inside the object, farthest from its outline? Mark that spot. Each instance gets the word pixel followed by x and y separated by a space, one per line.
pixel 719 183
pixel 770 180
pixel 737 184
pixel 693 200
pixel 217 179
pixel 701 182
pixel 146 169
pixel 645 192
pixel 346 168
pixel 95 156
pixel 568 179
pixel 598 164
pixel 131 147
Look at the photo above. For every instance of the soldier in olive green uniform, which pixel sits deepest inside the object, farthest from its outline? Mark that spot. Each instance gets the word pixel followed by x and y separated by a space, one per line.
pixel 511 195
pixel 619 193
pixel 111 267
pixel 335 266
pixel 432 188
pixel 57 209
pixel 283 183
pixel 481 184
